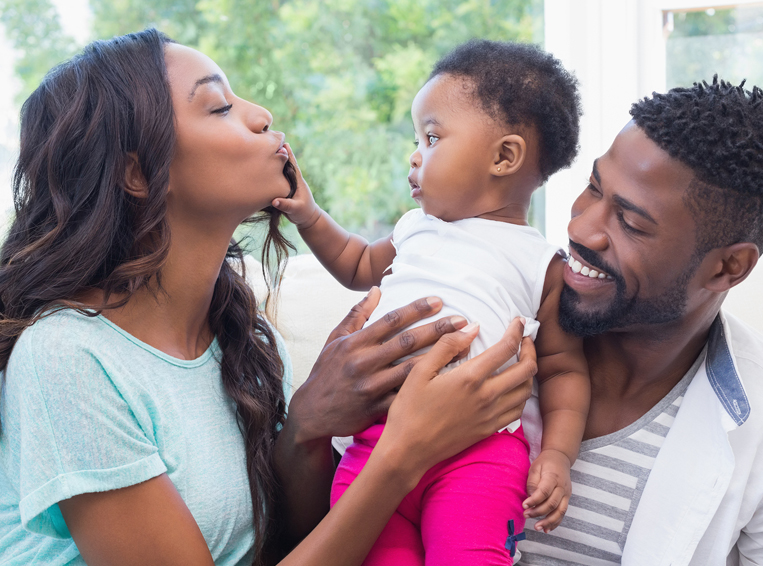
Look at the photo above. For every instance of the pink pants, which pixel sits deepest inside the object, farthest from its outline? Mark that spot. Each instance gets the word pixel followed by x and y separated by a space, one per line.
pixel 458 513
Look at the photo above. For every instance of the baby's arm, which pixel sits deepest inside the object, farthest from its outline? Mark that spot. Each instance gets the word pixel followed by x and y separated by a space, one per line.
pixel 564 393
pixel 349 258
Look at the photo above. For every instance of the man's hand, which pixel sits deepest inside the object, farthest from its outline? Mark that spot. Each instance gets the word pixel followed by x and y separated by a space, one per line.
pixel 550 488
pixel 354 381
pixel 301 208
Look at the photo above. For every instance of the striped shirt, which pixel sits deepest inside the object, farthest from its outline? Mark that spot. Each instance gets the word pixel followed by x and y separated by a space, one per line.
pixel 608 479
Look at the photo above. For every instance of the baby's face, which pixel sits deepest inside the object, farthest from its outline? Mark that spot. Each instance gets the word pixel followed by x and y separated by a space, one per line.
pixel 458 144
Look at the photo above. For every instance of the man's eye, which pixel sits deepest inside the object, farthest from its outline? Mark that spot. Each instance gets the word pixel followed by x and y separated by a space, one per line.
pixel 223 110
pixel 591 187
pixel 627 227
pixel 433 139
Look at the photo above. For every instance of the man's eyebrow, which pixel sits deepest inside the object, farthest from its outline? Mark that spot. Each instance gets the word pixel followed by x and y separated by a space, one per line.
pixel 620 201
pixel 595 171
pixel 205 80
pixel 628 205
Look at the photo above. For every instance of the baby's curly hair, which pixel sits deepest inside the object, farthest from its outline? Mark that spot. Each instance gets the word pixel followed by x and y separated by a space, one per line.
pixel 522 85
pixel 717 131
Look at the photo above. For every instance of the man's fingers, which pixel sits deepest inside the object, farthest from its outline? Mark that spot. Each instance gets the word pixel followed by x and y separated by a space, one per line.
pixel 414 339
pixel 357 316
pixel 395 321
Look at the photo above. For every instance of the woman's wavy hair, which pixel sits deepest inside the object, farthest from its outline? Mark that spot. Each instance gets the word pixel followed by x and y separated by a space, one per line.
pixel 77 228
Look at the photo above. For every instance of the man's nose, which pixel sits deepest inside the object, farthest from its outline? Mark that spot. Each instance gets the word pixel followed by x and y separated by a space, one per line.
pixel 588 224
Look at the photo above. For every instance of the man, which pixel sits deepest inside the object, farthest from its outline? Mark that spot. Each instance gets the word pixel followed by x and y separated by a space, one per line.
pixel 671 467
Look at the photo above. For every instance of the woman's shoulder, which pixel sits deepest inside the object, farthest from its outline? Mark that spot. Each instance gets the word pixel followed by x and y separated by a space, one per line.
pixel 64 339
pixel 63 332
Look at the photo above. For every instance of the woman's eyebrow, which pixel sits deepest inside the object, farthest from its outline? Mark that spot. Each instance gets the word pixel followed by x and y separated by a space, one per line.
pixel 205 80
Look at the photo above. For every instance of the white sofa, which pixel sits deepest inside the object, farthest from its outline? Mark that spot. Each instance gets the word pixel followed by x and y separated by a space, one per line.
pixel 312 303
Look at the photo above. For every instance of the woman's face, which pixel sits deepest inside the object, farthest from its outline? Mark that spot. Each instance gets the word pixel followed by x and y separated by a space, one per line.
pixel 228 163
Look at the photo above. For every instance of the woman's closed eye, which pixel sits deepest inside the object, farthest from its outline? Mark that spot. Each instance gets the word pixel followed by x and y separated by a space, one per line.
pixel 222 110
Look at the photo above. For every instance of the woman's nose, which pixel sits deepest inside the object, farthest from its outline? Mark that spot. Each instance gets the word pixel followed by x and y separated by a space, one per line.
pixel 588 224
pixel 260 119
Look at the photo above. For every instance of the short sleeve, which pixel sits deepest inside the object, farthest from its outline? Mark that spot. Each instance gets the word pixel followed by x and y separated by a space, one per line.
pixel 404 226
pixel 73 430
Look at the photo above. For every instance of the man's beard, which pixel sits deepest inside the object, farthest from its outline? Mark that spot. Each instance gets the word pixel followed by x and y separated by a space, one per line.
pixel 622 312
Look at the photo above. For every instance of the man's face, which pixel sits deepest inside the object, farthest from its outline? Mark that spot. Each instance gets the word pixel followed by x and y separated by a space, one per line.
pixel 630 224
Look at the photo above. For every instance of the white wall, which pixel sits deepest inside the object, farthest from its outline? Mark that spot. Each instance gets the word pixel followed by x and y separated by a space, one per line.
pixel 617 50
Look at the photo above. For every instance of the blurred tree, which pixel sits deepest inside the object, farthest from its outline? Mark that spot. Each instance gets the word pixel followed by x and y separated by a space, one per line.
pixel 705 42
pixel 339 76
pixel 35 32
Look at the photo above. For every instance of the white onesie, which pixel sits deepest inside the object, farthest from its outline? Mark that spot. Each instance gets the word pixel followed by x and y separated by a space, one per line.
pixel 484 270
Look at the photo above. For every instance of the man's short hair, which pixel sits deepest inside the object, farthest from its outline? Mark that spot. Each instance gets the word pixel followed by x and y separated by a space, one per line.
pixel 717 131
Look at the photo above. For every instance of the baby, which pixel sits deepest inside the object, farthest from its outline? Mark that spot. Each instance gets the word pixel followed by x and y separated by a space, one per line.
pixel 492 123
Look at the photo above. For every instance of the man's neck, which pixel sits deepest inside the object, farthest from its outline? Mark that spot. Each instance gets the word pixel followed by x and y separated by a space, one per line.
pixel 631 371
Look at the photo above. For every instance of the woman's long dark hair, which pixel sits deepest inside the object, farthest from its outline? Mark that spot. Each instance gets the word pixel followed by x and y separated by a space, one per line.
pixel 76 228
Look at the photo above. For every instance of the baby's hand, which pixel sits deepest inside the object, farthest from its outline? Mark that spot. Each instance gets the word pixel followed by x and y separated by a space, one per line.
pixel 300 209
pixel 549 487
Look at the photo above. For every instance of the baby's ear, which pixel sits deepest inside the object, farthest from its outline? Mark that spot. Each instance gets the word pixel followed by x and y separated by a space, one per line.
pixel 510 156
pixel 135 182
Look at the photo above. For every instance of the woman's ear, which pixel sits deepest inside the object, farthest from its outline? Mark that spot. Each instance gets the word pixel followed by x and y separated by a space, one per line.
pixel 510 156
pixel 135 182
pixel 732 266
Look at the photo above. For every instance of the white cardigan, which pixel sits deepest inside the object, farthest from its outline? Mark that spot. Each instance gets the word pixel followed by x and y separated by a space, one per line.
pixel 703 502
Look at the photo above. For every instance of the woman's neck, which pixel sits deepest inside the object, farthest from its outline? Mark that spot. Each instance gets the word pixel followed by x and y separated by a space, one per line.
pixel 175 318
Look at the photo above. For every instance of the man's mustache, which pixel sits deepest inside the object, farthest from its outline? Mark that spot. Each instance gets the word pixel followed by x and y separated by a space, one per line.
pixel 595 260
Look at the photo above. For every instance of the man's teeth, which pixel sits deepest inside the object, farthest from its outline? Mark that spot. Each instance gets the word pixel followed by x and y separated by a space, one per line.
pixel 578 267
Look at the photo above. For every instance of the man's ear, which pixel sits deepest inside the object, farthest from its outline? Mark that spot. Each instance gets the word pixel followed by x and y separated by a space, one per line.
pixel 135 182
pixel 510 155
pixel 731 266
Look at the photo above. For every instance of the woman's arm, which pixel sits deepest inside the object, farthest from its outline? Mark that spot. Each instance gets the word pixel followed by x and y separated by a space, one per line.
pixel 348 257
pixel 432 418
pixel 350 386
pixel 147 523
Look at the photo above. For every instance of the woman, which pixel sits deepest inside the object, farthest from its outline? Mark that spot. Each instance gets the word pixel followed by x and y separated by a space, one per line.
pixel 135 360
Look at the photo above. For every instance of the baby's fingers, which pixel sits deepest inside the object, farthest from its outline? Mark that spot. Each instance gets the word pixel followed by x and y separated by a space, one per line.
pixel 550 503
pixel 292 158
pixel 285 205
pixel 554 518
pixel 539 488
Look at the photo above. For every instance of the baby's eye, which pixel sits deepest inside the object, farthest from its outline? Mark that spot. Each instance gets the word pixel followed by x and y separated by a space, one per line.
pixel 433 139
pixel 416 143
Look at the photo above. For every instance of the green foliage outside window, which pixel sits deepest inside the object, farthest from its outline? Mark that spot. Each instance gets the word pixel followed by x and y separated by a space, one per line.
pixel 338 75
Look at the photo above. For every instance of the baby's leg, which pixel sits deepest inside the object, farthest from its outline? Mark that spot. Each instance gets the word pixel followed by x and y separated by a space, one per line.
pixel 400 541
pixel 471 498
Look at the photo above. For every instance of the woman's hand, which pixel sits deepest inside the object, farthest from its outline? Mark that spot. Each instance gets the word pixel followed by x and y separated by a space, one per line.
pixel 353 382
pixel 351 385
pixel 437 416
pixel 432 417
pixel 301 208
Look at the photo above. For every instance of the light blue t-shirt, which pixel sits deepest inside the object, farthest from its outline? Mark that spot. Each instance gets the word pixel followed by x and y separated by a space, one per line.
pixel 86 407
